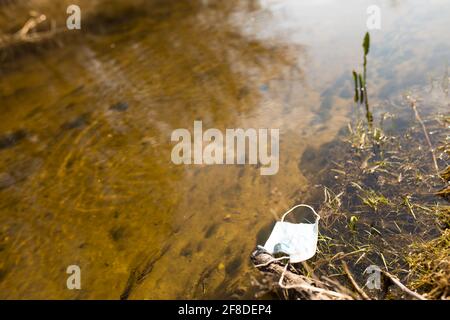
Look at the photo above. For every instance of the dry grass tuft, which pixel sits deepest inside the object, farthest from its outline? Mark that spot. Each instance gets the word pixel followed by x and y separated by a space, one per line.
pixel 430 266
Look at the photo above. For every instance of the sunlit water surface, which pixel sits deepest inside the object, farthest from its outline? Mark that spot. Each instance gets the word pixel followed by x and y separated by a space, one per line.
pixel 86 176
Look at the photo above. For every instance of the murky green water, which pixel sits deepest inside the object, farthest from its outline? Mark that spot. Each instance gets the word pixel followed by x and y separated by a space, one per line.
pixel 86 176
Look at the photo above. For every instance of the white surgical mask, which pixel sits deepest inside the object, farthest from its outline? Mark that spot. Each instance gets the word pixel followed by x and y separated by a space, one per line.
pixel 298 240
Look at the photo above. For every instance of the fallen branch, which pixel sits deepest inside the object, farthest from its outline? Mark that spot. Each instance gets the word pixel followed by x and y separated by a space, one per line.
pixel 401 286
pixel 353 282
pixel 299 283
pixel 27 33
pixel 307 287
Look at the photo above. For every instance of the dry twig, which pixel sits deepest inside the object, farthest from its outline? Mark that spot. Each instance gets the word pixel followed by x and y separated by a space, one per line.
pixel 308 287
pixel 424 129
pixel 352 280
pixel 402 287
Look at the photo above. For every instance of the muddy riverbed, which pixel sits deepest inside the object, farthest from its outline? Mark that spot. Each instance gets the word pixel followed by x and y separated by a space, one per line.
pixel 86 176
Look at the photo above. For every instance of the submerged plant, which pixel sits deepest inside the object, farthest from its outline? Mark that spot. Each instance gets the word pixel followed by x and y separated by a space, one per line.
pixel 360 82
pixel 352 223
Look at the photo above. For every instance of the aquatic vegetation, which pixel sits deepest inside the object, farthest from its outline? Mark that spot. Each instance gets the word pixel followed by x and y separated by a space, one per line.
pixel 429 263
pixel 377 201
pixel 360 81
pixel 370 197
pixel 352 223
pixel 373 210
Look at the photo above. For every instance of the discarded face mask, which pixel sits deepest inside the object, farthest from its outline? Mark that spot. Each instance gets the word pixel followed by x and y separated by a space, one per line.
pixel 298 240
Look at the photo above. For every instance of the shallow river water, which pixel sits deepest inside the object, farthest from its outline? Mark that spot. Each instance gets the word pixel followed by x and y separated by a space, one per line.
pixel 86 176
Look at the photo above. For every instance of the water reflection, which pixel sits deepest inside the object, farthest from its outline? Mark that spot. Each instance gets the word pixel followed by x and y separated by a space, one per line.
pixel 85 170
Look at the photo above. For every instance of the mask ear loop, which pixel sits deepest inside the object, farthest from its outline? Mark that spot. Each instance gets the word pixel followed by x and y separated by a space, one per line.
pixel 280 281
pixel 300 205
